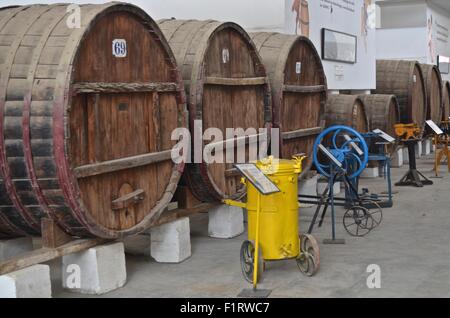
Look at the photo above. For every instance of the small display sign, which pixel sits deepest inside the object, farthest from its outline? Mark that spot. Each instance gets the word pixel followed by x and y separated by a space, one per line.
pixel 298 68
pixel 384 135
pixel 119 47
pixel 257 178
pixel 435 127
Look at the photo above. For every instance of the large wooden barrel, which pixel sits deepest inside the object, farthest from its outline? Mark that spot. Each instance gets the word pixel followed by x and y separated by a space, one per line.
pixel 382 111
pixel 227 87
pixel 299 90
pixel 433 83
pixel 405 80
pixel 347 110
pixel 86 114
pixel 446 100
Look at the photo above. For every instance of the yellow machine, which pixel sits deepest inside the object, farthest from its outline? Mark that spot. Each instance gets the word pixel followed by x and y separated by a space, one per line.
pixel 442 143
pixel 410 136
pixel 407 131
pixel 273 229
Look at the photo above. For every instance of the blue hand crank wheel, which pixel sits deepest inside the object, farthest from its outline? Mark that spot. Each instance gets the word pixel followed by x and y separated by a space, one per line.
pixel 347 146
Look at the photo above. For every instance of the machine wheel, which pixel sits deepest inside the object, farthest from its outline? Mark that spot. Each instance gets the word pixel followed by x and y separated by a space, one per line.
pixel 308 244
pixel 376 212
pixel 306 264
pixel 358 221
pixel 247 262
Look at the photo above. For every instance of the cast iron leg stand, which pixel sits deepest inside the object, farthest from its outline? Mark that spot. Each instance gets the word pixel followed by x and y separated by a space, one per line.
pixel 413 177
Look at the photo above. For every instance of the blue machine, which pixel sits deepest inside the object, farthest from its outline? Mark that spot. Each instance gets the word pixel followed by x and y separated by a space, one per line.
pixel 341 154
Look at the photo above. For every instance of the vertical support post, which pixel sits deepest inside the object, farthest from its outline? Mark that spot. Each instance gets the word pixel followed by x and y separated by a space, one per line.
pixel 333 218
pixel 255 269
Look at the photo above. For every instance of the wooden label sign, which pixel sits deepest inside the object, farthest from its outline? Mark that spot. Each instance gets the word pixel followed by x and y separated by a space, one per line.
pixel 257 178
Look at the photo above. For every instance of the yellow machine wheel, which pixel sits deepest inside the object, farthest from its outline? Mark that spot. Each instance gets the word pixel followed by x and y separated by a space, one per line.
pixel 247 262
pixel 309 260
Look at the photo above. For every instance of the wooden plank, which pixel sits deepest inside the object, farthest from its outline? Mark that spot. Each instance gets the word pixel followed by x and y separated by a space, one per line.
pixel 304 89
pixel 128 200
pixel 44 255
pixel 107 88
pixel 248 81
pixel 232 143
pixel 182 213
pixel 122 164
pixel 52 235
pixel 302 133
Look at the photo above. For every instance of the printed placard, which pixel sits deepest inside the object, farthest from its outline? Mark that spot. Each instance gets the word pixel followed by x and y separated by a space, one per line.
pixel 119 48
pixel 225 56
pixel 298 68
pixel 257 178
pixel 384 135
pixel 436 129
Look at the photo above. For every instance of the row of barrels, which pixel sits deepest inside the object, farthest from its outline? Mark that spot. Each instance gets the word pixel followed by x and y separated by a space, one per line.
pixel 85 132
pixel 406 92
pixel 87 112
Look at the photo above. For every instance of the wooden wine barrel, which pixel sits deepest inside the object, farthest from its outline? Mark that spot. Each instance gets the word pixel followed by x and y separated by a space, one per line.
pixel 347 110
pixel 382 111
pixel 299 91
pixel 446 100
pixel 405 80
pixel 433 83
pixel 86 115
pixel 227 87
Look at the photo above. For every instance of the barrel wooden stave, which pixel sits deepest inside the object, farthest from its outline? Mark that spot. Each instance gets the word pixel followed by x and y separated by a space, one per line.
pixel 405 80
pixel 224 51
pixel 41 56
pixel 433 82
pixel 347 110
pixel 446 100
pixel 294 110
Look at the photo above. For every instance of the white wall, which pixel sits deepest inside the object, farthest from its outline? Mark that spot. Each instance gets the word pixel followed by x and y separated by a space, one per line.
pixel 413 31
pixel 343 16
pixel 398 15
pixel 402 44
pixel 440 35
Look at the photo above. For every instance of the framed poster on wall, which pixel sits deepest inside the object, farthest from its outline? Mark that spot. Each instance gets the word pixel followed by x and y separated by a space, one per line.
pixel 443 63
pixel 339 47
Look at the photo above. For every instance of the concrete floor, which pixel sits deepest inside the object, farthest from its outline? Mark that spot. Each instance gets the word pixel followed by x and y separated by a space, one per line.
pixel 411 247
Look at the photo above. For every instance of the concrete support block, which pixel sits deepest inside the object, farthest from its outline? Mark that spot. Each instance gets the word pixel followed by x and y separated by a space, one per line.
pixel 397 159
pixel 308 186
pixel 14 247
pixel 370 173
pixel 96 271
pixel 31 282
pixel 171 243
pixel 419 150
pixel 426 147
pixel 226 222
